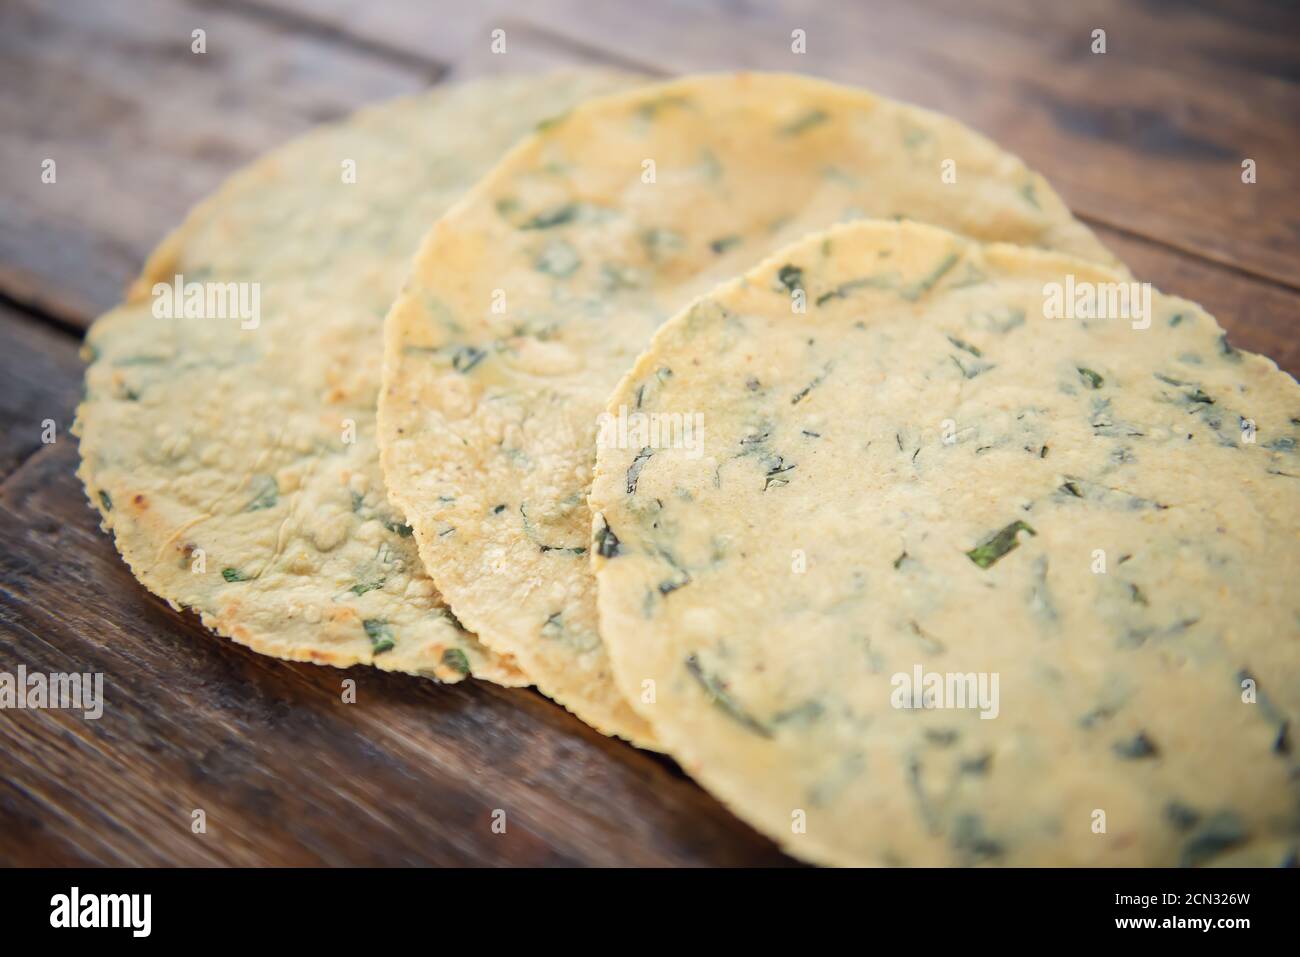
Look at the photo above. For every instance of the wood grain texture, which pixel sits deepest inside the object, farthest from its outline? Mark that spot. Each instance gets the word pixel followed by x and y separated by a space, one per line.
pixel 1145 142
pixel 285 771
pixel 141 128
pixel 40 382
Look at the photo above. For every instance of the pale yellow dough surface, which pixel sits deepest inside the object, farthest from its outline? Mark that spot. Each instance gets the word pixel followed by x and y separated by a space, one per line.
pixel 532 296
pixel 840 528
pixel 237 468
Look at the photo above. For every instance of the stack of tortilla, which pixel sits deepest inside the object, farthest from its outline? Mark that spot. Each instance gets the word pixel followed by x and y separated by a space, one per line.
pixel 795 432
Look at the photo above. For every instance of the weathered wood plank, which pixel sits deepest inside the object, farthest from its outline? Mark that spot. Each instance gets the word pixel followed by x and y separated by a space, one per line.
pixel 1148 137
pixel 1258 315
pixel 285 771
pixel 40 381
pixel 140 128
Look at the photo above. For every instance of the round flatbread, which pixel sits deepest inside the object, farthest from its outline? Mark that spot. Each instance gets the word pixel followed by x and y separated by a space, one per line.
pixel 951 582
pixel 532 296
pixel 230 448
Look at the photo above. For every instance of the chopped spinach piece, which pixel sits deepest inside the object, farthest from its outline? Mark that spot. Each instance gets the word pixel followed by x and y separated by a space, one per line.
pixel 634 470
pixel 1220 832
pixel 997 545
pixel 968 838
pixel 716 689
pixel 550 123
pixel 1093 379
pixel 1226 350
pixel 380 635
pixel 917 289
pixel 466 358
pixel 660 242
pixel 805 122
pixel 1136 747
pixel 1181 816
pixel 456 660
pixel 883 281
pixel 266 493
pixel 558 259
pixel 550 218
pixel 777 468
pixel 791 277
pixel 607 543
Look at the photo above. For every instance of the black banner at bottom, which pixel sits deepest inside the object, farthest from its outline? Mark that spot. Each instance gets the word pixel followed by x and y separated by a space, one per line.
pixel 332 907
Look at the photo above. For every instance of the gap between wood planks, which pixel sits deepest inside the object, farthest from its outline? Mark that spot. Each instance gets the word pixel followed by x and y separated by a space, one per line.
pixel 431 68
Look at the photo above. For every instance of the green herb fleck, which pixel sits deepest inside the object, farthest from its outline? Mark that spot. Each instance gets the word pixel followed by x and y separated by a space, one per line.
pixel 1221 832
pixel 106 500
pixel 803 393
pixel 969 839
pixel 551 122
pixel 723 243
pixel 1181 816
pixel 1001 542
pixel 456 660
pixel 466 358
pixel 965 346
pixel 550 218
pixel 778 468
pixel 661 243
pixel 634 470
pixel 558 259
pixel 1139 746
pixel 360 588
pixel 881 281
pixel 1093 379
pixel 717 691
pixel 650 108
pixel 921 287
pixel 266 493
pixel 607 543
pixel 234 575
pixel 380 635
pixel 791 277
pixel 805 122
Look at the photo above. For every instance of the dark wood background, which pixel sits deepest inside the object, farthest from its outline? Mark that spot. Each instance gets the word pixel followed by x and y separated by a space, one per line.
pixel 1145 142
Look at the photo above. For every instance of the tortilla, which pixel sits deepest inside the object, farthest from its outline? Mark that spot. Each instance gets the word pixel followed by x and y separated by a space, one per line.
pixel 1085 529
pixel 532 296
pixel 234 459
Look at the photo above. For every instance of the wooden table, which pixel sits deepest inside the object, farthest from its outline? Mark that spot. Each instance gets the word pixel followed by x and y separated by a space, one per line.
pixel 1146 142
